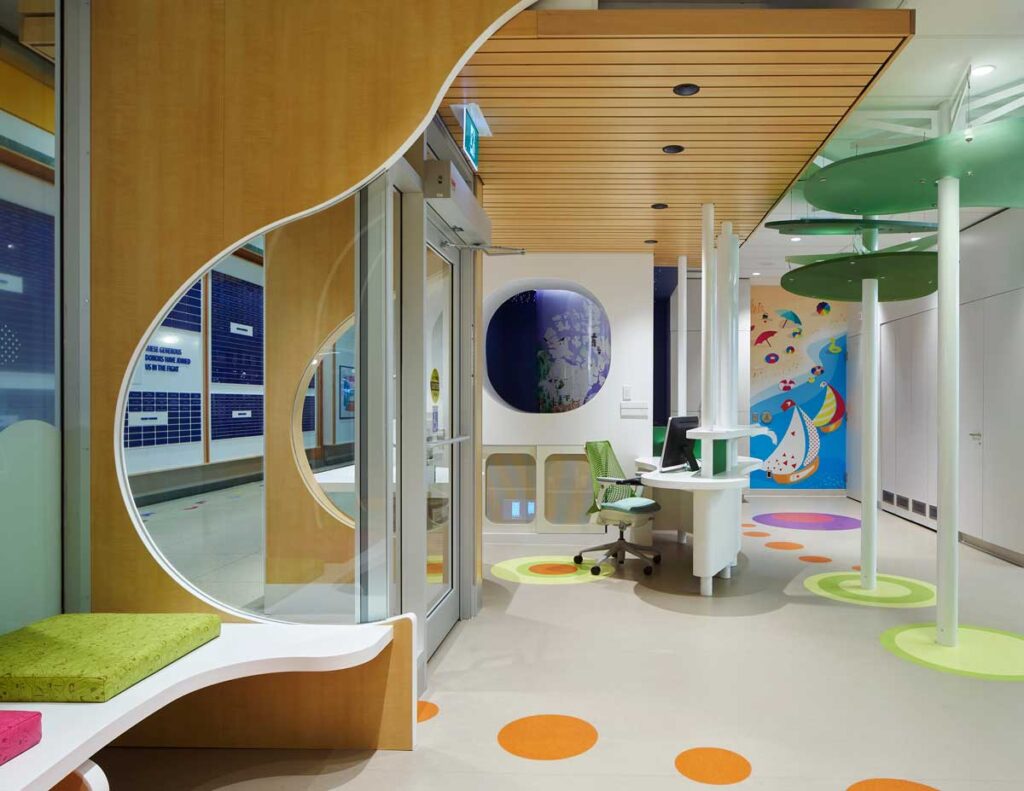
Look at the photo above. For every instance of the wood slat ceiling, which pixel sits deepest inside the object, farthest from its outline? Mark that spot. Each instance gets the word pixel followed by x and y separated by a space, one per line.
pixel 580 104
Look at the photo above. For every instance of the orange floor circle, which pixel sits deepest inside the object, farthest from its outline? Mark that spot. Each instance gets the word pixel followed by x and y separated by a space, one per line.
pixel 713 766
pixel 784 545
pixel 815 559
pixel 547 737
pixel 435 568
pixel 856 567
pixel 553 569
pixel 889 784
pixel 425 710
pixel 756 533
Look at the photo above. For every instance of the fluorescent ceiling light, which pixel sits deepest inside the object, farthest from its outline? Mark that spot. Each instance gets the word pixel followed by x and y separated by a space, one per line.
pixel 982 71
pixel 794 238
pixel 755 274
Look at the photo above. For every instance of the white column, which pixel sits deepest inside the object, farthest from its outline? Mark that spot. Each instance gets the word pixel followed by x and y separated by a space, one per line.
pixel 869 399
pixel 709 335
pixel 728 264
pixel 949 410
pixel 678 342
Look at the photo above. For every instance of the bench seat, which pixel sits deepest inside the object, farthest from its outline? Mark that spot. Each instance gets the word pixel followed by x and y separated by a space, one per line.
pixel 91 657
pixel 73 732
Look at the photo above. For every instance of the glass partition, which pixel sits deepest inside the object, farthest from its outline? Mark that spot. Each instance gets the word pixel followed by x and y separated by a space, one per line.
pixel 243 417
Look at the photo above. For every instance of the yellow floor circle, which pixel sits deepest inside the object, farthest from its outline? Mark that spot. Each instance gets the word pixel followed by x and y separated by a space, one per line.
pixel 889 590
pixel 980 653
pixel 549 570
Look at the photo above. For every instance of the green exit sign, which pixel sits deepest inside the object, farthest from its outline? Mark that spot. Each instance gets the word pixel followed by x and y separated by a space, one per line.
pixel 470 139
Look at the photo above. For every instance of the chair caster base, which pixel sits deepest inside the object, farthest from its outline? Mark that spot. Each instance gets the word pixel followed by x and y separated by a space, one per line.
pixel 595 570
pixel 656 559
pixel 648 570
pixel 578 560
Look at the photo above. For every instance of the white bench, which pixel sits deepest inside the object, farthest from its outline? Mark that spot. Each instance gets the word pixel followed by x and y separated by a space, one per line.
pixel 73 732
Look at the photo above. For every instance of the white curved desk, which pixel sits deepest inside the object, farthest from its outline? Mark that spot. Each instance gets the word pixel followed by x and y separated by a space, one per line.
pixel 716 513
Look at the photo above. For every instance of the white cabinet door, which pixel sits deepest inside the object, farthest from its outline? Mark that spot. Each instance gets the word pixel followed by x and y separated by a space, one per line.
pixel 972 366
pixel 1003 430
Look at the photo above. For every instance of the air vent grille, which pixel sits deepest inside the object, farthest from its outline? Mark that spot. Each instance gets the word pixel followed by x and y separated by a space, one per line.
pixel 888 497
pixel 933 512
pixel 918 507
pixel 902 502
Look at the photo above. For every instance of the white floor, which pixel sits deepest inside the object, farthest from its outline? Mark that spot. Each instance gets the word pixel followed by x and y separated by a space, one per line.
pixel 215 540
pixel 797 684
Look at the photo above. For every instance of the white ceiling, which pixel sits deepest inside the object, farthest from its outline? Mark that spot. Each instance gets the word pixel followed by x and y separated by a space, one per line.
pixel 950 36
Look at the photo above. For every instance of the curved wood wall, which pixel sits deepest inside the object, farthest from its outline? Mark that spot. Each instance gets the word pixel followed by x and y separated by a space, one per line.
pixel 210 120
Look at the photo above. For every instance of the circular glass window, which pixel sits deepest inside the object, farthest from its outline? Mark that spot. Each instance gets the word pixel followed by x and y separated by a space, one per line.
pixel 548 350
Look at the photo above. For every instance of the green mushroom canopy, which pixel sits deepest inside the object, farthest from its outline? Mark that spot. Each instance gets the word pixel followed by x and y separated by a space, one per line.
pixel 900 276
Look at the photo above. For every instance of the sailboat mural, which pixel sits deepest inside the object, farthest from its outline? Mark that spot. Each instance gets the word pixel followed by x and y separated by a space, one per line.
pixel 796 454
pixel 832 412
pixel 798 392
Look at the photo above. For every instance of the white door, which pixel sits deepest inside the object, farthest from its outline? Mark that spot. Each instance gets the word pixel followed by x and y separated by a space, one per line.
pixel 1003 429
pixel 443 438
pixel 972 369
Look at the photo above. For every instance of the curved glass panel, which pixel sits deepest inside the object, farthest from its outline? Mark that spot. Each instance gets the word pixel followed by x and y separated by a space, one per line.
pixel 329 422
pixel 548 350
pixel 224 404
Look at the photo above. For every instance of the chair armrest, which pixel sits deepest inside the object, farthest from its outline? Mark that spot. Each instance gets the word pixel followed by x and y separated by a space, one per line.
pixel 621 481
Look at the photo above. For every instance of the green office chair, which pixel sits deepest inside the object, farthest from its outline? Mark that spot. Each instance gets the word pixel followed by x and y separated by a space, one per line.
pixel 616 503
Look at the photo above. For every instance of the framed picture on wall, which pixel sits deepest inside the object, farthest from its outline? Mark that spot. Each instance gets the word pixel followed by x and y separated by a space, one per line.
pixel 347 392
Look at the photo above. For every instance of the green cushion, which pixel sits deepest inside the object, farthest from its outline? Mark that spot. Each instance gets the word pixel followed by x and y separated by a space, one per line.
pixel 91 657
pixel 632 505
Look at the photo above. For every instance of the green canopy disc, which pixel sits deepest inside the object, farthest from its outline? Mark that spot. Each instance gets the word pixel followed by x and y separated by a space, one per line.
pixel 843 226
pixel 900 276
pixel 924 243
pixel 897 180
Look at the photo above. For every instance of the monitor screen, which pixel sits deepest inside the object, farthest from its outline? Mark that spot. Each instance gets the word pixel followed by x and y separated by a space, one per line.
pixel 678 450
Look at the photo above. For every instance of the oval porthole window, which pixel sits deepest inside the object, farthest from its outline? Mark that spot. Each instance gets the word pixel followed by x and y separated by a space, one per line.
pixel 548 350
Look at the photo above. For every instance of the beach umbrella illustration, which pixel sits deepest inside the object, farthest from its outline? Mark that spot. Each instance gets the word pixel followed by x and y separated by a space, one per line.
pixel 789 316
pixel 764 336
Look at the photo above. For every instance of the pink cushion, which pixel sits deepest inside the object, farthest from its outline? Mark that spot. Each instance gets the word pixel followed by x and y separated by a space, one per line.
pixel 19 730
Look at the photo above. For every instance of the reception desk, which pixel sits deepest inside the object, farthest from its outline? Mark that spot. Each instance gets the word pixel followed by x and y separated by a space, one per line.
pixel 715 515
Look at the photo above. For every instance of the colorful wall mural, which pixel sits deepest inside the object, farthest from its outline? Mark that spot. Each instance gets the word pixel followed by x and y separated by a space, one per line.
pixel 548 350
pixel 798 390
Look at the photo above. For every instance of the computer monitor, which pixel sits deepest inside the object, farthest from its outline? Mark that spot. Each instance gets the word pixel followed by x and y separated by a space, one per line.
pixel 677 452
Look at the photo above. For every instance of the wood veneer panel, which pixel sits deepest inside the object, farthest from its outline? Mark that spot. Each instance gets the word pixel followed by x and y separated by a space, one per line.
pixel 309 292
pixel 371 706
pixel 580 104
pixel 210 120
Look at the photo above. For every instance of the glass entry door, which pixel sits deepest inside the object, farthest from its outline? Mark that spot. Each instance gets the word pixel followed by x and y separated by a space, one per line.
pixel 441 393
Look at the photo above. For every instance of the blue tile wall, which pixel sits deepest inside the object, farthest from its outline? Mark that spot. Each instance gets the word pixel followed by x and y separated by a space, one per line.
pixel 187 313
pixel 184 419
pixel 27 311
pixel 224 426
pixel 309 413
pixel 26 290
pixel 235 358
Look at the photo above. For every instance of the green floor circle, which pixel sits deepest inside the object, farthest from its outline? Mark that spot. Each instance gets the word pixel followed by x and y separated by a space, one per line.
pixel 890 590
pixel 522 570
pixel 980 652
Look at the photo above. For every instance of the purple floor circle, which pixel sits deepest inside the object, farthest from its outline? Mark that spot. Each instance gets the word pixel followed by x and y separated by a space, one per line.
pixel 808 521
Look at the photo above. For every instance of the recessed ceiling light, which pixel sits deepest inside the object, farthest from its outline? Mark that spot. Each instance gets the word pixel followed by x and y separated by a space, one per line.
pixel 755 274
pixel 650 241
pixel 659 205
pixel 915 238
pixel 982 71
pixel 686 89
pixel 794 238
pixel 673 149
